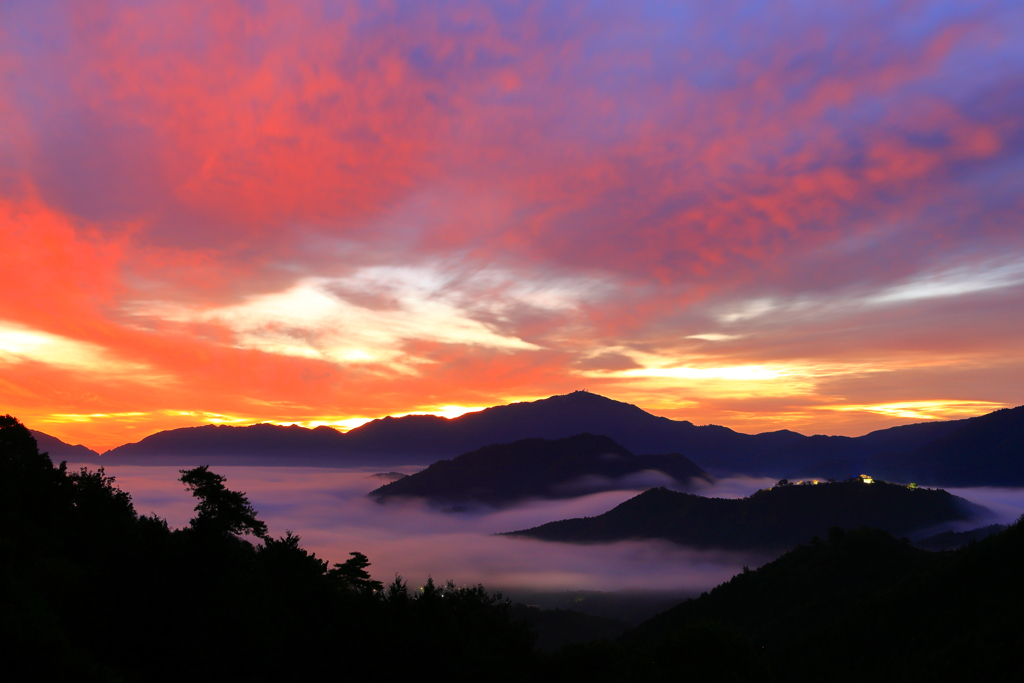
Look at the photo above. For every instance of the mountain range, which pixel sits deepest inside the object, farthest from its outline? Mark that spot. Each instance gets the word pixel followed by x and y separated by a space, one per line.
pixel 985 450
pixel 541 468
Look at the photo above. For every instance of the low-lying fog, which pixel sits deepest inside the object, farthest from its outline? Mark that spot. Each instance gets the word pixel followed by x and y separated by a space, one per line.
pixel 330 511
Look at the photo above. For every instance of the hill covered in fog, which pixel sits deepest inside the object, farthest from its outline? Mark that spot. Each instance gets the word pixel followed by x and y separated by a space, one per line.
pixel 771 519
pixel 540 468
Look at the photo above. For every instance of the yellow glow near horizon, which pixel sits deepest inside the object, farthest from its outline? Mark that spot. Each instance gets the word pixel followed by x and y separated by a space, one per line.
pixel 925 410
pixel 342 424
pixel 345 424
pixel 102 431
pixel 449 411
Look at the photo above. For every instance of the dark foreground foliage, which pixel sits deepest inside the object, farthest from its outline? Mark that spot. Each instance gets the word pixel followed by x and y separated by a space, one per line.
pixel 91 591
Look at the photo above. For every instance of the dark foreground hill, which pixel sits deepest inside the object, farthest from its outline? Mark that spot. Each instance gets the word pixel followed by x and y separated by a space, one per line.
pixel 770 520
pixel 423 439
pixel 856 606
pixel 951 540
pixel 539 468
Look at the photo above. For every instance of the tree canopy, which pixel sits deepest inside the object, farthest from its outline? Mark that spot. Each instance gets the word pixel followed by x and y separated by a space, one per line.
pixel 352 573
pixel 220 510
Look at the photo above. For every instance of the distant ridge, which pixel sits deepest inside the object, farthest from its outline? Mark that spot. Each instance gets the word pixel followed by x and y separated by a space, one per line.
pixel 259 444
pixel 60 451
pixel 539 468
pixel 423 439
pixel 986 451
pixel 981 451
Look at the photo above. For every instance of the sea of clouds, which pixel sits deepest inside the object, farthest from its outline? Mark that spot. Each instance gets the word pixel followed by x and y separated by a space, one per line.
pixel 330 511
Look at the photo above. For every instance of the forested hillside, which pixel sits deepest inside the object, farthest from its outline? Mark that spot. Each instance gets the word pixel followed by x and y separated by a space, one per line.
pixel 92 591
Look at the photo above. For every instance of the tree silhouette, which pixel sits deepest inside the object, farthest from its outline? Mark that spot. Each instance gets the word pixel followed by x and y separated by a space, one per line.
pixel 220 510
pixel 352 573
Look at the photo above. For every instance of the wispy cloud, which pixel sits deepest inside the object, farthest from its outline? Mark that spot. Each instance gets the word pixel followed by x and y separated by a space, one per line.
pixel 315 318
pixel 951 282
pixel 19 344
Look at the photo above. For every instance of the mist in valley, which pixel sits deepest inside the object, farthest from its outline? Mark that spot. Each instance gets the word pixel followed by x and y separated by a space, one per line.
pixel 331 512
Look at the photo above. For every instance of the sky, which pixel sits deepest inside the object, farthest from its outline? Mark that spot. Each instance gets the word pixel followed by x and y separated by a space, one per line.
pixel 763 215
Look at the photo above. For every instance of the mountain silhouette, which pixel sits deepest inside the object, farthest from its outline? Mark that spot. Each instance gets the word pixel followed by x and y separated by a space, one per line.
pixel 771 519
pixel 423 439
pixel 259 444
pixel 542 468
pixel 981 451
pixel 59 450
pixel 985 451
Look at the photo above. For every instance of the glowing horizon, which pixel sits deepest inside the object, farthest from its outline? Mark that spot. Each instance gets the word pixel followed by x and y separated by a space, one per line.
pixel 757 215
